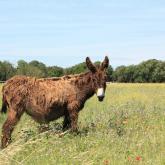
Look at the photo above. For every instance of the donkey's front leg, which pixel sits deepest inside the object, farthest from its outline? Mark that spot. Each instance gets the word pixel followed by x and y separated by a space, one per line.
pixel 73 114
pixel 66 122
pixel 74 120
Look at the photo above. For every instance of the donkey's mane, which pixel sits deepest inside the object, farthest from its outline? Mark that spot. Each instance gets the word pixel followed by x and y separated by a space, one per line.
pixel 66 77
pixel 78 80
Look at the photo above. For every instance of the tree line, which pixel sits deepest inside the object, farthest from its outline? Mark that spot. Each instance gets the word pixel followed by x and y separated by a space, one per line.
pixel 148 71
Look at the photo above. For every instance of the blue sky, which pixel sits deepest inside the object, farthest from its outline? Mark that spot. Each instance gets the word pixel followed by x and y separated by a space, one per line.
pixel 64 32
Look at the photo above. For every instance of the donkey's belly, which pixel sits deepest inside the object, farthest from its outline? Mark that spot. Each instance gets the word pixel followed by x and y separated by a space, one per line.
pixel 46 116
pixel 54 114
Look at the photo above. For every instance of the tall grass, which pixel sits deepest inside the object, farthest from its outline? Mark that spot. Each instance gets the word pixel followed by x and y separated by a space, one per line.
pixel 127 128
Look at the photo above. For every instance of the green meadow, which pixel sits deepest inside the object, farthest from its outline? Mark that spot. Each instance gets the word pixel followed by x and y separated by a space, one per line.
pixel 127 128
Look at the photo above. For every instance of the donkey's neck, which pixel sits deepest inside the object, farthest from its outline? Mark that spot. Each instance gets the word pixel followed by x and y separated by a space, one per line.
pixel 84 85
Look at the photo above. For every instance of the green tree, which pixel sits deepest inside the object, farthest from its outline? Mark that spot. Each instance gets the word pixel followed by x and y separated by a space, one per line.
pixel 55 71
pixel 159 73
pixel 41 66
pixel 119 74
pixel 26 69
pixel 76 69
pixel 110 73
pixel 22 67
pixel 145 71
pixel 6 70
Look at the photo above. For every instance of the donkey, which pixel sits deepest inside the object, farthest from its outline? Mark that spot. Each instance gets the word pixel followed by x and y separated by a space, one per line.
pixel 47 99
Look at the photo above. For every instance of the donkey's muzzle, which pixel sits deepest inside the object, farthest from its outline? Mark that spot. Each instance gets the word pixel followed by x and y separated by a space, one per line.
pixel 100 94
pixel 101 98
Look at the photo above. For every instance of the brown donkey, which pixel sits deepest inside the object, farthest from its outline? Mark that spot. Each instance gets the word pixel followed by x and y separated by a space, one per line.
pixel 48 99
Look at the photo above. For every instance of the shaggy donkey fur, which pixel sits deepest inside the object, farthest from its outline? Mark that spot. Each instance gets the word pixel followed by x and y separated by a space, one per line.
pixel 48 99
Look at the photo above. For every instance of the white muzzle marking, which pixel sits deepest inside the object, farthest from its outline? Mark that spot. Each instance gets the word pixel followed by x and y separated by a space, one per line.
pixel 100 92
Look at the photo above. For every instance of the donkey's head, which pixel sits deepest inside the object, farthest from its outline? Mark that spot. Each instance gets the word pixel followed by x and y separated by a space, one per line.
pixel 99 76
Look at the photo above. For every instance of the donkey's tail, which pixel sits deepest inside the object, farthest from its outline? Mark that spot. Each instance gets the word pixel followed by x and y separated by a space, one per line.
pixel 4 105
pixel 4 108
pixel 4 102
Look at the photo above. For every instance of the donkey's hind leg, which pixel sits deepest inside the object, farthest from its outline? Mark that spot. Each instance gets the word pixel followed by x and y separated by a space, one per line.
pixel 8 126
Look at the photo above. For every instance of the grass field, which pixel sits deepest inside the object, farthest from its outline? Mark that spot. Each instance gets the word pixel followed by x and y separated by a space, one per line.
pixel 127 128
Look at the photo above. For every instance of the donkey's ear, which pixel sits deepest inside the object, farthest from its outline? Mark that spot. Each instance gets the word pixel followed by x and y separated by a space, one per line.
pixel 105 63
pixel 90 65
